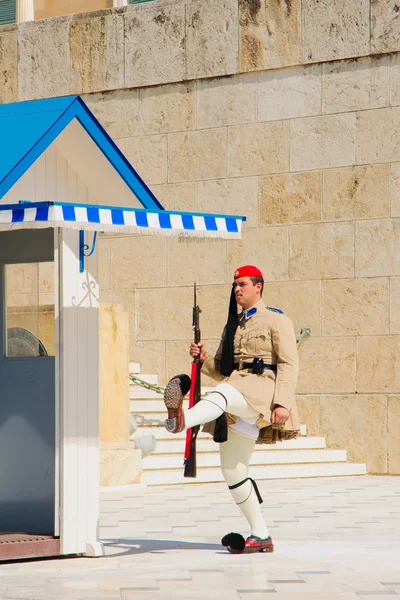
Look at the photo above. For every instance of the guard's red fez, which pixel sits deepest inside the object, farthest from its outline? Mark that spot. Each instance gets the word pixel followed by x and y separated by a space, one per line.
pixel 247 271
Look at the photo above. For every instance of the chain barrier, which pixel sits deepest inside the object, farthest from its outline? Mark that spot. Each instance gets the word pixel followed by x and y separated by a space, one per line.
pixel 304 333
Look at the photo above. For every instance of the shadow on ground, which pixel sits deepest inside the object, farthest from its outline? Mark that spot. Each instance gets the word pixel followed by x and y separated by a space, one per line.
pixel 126 546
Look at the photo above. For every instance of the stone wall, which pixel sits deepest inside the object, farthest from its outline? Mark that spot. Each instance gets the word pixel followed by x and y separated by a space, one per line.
pixel 287 112
pixel 54 8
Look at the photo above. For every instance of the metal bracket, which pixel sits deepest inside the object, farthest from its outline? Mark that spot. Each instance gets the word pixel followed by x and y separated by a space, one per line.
pixel 304 333
pixel 83 248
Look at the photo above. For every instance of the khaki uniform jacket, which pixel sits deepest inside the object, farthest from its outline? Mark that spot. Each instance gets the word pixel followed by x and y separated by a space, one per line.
pixel 268 335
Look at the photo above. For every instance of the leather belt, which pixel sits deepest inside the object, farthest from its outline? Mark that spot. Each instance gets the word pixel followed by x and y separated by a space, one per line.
pixel 249 365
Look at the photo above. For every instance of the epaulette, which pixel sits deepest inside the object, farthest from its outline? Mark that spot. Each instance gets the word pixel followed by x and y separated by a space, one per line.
pixel 278 310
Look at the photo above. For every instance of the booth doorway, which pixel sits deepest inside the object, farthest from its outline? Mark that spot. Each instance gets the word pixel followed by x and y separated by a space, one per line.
pixel 27 383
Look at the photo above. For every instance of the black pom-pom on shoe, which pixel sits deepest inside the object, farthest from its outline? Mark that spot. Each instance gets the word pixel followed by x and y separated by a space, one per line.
pixel 185 383
pixel 234 543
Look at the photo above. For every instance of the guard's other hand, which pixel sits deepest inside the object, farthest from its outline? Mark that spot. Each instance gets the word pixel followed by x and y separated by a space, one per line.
pixel 280 414
pixel 198 349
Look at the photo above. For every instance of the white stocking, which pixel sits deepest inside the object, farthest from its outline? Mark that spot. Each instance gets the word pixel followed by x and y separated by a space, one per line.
pixel 235 456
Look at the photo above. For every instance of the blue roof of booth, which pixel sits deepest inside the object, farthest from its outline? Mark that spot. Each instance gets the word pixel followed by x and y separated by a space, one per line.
pixel 28 128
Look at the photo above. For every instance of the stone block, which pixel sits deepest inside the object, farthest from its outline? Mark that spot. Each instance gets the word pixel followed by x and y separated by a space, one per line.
pixel 165 313
pixel 322 142
pixel 394 79
pixel 394 435
pixel 97 53
pixel 46 278
pixel 335 29
pixel 179 361
pixel 270 34
pixel 378 364
pixel 192 260
pixel 117 111
pixel 22 279
pixel 394 189
pixel 44 59
pixel 149 252
pixel 359 424
pixel 227 101
pixel 127 300
pixel 104 253
pixel 211 38
pixel 178 196
pixel 289 93
pixel 309 412
pixel 214 304
pixel 394 305
pixel 377 248
pixel 114 373
pixel 290 198
pixel 265 247
pixel 385 26
pixel 327 365
pixel 120 463
pixel 321 251
pixel 300 300
pixel 8 67
pixel 167 108
pixel 378 133
pixel 150 356
pixel 46 9
pixel 258 148
pixel 154 44
pixel 355 306
pixel 236 196
pixel 197 155
pixel 355 84
pixel 356 192
pixel 148 156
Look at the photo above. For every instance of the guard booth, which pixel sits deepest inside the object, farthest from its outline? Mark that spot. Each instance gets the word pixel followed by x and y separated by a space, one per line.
pixel 62 181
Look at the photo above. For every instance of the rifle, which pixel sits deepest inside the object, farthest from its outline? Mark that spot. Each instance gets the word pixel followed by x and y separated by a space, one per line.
pixel 194 397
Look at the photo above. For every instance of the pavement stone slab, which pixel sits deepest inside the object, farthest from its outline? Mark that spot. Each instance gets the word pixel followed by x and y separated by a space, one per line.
pixel 335 539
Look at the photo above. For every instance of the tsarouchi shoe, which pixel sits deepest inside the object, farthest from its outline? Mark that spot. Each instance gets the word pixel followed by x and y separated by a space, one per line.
pixel 256 544
pixel 176 389
pixel 236 544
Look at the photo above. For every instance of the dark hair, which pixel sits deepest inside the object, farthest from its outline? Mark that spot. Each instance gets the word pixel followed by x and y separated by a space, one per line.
pixel 258 280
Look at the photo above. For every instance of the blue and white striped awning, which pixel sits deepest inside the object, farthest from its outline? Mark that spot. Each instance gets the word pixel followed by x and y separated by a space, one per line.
pixel 27 215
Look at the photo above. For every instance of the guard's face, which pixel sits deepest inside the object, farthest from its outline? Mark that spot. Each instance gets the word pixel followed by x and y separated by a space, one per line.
pixel 247 294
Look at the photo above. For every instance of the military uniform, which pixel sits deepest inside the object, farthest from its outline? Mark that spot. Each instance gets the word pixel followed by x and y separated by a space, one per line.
pixel 266 334
pixel 252 390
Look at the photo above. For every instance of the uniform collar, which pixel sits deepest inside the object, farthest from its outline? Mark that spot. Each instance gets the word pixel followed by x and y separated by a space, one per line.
pixel 249 312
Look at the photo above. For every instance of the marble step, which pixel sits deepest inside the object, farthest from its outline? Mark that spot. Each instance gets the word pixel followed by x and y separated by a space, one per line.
pixel 258 472
pixel 206 444
pixel 274 457
pixel 153 424
pixel 156 421
pixel 137 393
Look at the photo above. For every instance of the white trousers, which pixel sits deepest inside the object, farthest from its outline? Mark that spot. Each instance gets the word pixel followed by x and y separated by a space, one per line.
pixel 236 452
pixel 225 398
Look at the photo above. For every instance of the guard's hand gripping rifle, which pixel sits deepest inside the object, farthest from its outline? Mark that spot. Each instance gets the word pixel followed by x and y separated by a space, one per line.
pixel 194 397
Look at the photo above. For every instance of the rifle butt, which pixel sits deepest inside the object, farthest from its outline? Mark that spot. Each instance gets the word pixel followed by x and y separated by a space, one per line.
pixel 190 469
pixel 190 463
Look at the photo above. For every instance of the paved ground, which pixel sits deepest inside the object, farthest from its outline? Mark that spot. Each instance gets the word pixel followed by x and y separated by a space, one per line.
pixel 336 538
